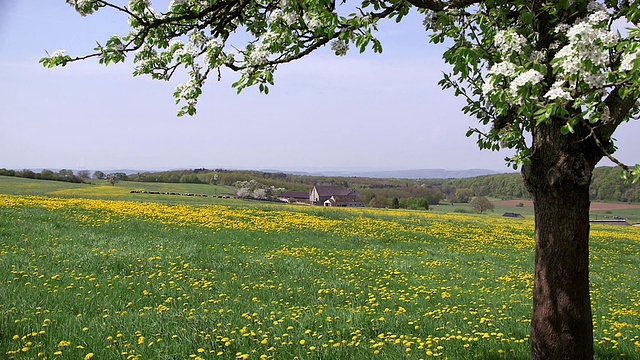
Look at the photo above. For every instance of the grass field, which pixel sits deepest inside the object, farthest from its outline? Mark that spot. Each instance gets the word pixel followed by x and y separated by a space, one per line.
pixel 108 276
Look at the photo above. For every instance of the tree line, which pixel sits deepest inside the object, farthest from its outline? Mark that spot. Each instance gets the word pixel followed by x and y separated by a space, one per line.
pixel 606 184
pixel 80 176
pixel 62 175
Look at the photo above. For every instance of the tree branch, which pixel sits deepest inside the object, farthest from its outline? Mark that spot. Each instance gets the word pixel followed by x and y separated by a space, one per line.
pixel 604 150
pixel 620 109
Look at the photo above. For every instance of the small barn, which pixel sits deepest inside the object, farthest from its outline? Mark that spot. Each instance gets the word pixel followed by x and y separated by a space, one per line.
pixel 610 222
pixel 344 201
pixel 294 196
pixel 513 215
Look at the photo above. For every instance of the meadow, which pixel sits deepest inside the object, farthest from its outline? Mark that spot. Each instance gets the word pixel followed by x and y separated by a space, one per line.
pixel 109 275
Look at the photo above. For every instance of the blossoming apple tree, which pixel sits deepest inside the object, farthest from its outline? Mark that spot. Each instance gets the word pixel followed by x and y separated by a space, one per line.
pixel 551 80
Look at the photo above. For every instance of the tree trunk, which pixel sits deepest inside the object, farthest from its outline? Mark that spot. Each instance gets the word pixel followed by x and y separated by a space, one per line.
pixel 558 179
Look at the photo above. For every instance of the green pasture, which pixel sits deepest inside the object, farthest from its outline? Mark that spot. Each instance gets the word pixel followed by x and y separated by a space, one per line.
pixel 105 277
pixel 120 191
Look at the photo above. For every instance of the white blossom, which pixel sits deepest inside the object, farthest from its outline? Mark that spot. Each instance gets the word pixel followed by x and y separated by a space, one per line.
pixel 197 38
pixel 83 7
pixel 136 3
pixel 569 61
pixel 243 193
pixel 289 17
pixel 488 86
pixel 528 77
pixel 588 42
pixel 339 47
pixel 186 49
pixel 269 37
pixel 175 3
pixel 595 6
pixel 562 28
pixel 594 81
pixel 214 43
pixel 79 3
pixel 508 41
pixel 430 19
pixel 259 54
pixel 599 17
pixel 184 89
pixel 312 22
pixel 504 68
pixel 627 61
pixel 557 92
pixel 275 15
pixel 284 4
pixel 58 54
pixel 176 43
pixel 260 193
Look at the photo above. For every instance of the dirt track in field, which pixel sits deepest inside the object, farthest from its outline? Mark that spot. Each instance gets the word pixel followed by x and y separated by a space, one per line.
pixel 594 205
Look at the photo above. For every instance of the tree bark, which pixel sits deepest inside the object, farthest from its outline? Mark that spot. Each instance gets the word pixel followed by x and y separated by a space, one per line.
pixel 558 178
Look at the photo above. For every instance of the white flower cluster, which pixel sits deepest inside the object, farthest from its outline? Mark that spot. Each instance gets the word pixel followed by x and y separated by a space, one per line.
pixel 180 48
pixel 289 17
pixel 340 47
pixel 509 41
pixel 175 3
pixel 504 68
pixel 186 91
pixel 214 43
pixel 588 43
pixel 260 54
pixel 430 20
pixel 557 92
pixel 138 3
pixel 84 7
pixel 528 77
pixel 215 56
pixel 627 61
pixel 143 9
pixel 58 54
pixel 312 21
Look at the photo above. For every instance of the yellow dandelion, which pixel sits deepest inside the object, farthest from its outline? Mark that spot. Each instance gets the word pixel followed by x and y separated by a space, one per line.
pixel 63 343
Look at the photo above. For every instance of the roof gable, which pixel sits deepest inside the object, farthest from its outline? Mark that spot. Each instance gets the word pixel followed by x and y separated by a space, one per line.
pixel 333 190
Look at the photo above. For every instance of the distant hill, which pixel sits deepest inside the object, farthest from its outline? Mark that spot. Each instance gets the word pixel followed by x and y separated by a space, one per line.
pixel 410 174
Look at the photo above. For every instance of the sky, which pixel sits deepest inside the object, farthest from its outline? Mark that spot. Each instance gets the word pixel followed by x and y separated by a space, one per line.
pixel 361 111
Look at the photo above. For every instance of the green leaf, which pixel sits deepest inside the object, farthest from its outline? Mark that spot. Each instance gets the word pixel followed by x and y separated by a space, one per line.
pixel 566 129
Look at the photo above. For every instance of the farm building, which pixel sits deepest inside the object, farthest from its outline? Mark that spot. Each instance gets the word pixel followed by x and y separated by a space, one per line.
pixel 294 196
pixel 344 201
pixel 610 222
pixel 513 215
pixel 341 195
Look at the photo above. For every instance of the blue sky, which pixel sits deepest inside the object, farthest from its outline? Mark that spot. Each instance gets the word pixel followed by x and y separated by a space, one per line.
pixel 359 111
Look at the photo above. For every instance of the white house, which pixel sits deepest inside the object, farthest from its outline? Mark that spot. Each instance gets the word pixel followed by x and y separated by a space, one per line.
pixel 335 196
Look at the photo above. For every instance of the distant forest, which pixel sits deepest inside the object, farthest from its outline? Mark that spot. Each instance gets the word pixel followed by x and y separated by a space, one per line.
pixel 607 184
